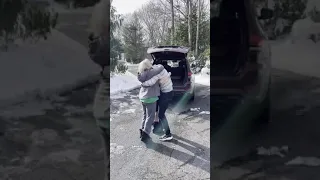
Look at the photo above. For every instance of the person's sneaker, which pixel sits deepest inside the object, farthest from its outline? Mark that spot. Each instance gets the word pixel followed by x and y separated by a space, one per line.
pixel 166 137
pixel 145 137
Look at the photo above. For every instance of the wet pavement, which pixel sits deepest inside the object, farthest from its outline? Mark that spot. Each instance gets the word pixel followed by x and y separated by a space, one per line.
pixel 54 138
pixel 293 133
pixel 187 156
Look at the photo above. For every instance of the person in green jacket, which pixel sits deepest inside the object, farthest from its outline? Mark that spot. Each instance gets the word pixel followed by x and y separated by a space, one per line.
pixel 148 96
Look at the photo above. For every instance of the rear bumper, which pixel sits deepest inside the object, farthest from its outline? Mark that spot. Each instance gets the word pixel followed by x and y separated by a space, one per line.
pixel 181 91
pixel 236 85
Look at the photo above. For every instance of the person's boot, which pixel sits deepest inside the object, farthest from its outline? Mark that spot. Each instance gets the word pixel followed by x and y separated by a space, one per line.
pixel 145 137
pixel 140 133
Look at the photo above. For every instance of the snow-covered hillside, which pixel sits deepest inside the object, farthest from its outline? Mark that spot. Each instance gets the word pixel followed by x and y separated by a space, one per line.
pixel 50 66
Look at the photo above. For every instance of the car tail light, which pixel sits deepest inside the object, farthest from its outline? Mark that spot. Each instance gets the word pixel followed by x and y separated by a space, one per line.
pixel 255 44
pixel 189 74
pixel 255 48
pixel 255 40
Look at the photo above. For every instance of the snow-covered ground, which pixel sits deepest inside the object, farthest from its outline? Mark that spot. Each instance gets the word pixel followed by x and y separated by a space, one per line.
pixel 123 82
pixel 298 53
pixel 202 79
pixel 48 66
pixel 301 57
pixel 304 161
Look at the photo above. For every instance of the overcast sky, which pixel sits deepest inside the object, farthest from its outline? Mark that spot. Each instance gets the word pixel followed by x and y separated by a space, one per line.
pixel 127 6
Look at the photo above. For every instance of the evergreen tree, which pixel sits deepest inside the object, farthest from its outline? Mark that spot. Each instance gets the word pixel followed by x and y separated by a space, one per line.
pixel 133 40
pixel 115 43
pixel 23 19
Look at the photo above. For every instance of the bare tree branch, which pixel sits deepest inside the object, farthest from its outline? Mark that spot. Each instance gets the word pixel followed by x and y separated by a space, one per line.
pixel 177 8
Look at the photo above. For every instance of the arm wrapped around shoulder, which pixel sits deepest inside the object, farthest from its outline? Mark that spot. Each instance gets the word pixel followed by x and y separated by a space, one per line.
pixel 162 75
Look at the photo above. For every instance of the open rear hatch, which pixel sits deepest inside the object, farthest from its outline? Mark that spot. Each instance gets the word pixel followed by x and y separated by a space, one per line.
pixel 230 63
pixel 174 61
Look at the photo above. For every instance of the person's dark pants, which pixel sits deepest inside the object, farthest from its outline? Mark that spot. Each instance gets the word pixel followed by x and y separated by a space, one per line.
pixel 106 144
pixel 163 104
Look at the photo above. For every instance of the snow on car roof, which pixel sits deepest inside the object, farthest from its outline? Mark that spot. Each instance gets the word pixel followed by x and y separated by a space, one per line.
pixel 179 49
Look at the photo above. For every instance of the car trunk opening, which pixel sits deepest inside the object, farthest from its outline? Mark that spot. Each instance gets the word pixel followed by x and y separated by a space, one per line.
pixel 175 63
pixel 229 38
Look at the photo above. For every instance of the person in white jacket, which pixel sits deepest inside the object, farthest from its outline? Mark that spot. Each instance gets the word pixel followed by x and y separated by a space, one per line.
pixel 164 79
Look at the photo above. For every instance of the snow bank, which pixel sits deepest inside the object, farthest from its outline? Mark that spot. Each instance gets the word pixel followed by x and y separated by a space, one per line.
pixel 306 161
pixel 311 6
pixel 272 151
pixel 202 79
pixel 301 57
pixel 303 28
pixel 123 82
pixel 205 71
pixel 56 65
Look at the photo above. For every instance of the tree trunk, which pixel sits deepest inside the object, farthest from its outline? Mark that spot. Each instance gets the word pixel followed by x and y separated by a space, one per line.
pixel 198 25
pixel 135 45
pixel 172 25
pixel 189 23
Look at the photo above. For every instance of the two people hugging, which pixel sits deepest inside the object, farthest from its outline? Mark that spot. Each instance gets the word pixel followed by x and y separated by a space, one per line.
pixel 155 95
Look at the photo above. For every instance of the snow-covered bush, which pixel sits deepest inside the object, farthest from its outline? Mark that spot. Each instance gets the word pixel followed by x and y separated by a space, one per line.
pixel 196 66
pixel 206 68
pixel 198 63
pixel 286 12
pixel 121 67
pixel 305 29
pixel 21 19
pixel 280 26
pixel 312 9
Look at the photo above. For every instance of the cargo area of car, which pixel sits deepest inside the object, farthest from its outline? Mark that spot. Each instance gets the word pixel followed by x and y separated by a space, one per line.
pixel 229 38
pixel 178 70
